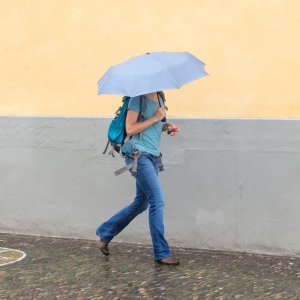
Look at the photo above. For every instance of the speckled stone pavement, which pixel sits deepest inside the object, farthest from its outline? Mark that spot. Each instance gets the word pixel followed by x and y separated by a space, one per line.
pixel 75 269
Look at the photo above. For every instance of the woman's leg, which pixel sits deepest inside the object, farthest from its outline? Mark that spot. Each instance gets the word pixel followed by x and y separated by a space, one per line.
pixel 148 181
pixel 120 220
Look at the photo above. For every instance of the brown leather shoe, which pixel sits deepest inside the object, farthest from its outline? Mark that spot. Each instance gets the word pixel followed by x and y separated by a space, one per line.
pixel 104 247
pixel 169 261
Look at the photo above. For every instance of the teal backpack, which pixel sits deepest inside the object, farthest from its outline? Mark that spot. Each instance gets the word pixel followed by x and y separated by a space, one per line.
pixel 117 128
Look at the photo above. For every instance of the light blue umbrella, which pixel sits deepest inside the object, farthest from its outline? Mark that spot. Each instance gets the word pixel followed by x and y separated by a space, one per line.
pixel 151 72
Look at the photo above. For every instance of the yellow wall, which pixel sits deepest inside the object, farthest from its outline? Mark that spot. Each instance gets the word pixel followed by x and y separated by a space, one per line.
pixel 53 52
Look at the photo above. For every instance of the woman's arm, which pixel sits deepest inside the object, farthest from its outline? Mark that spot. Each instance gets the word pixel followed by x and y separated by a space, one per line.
pixel 132 127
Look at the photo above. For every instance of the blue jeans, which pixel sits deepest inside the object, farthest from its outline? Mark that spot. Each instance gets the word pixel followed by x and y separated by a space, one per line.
pixel 148 193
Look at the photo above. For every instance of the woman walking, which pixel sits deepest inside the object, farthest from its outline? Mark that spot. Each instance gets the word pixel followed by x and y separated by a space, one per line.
pixel 148 189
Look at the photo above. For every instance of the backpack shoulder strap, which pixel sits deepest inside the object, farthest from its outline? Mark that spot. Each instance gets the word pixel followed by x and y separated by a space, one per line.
pixel 142 113
pixel 143 107
pixel 161 96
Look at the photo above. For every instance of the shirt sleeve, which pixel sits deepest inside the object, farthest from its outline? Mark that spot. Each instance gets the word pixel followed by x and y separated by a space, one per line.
pixel 134 104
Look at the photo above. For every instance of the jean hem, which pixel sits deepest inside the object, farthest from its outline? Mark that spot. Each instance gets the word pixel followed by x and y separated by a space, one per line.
pixel 101 237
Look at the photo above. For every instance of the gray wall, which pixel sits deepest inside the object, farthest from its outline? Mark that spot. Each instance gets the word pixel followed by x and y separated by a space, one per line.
pixel 230 184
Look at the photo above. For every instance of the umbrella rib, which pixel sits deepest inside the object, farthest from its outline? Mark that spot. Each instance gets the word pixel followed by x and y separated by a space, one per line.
pixel 192 61
pixel 168 72
pixel 199 61
pixel 103 79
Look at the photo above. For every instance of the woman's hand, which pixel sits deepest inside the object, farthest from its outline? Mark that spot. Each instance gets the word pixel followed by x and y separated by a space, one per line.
pixel 174 129
pixel 159 114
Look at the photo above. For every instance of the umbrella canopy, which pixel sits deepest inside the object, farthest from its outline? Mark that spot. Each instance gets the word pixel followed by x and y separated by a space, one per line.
pixel 151 72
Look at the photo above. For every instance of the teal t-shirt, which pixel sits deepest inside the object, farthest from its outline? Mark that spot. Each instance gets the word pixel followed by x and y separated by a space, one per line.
pixel 150 141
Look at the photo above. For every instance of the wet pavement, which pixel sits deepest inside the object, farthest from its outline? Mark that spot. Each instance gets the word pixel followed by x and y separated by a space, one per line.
pixel 75 269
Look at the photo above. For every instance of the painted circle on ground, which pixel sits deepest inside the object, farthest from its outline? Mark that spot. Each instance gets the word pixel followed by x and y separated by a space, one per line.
pixel 10 256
